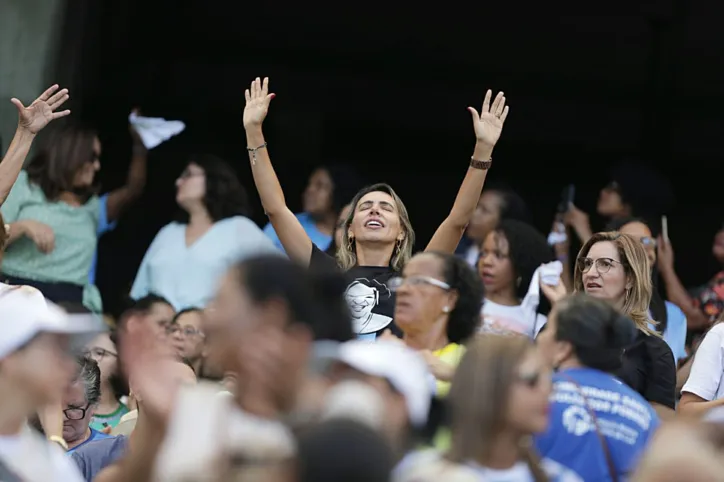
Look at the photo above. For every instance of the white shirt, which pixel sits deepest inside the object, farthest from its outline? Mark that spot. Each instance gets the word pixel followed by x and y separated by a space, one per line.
pixel 34 459
pixel 497 318
pixel 707 371
pixel 187 276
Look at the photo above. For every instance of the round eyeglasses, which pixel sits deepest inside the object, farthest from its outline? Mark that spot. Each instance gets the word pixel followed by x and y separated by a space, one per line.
pixel 603 265
pixel 396 283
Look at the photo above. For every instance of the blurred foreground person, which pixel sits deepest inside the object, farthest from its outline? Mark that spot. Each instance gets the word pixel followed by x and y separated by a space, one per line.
pixel 342 451
pixel 385 385
pixel 599 426
pixel 259 327
pixel 498 400
pixel 36 365
pixel 681 452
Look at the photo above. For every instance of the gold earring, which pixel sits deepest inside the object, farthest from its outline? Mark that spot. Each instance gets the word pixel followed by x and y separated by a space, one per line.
pixel 350 240
pixel 399 244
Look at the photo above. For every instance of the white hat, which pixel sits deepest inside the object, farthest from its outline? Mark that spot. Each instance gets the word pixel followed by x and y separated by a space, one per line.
pixel 401 366
pixel 24 312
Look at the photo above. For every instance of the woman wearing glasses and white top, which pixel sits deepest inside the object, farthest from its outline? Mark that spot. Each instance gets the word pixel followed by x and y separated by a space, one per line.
pixel 614 267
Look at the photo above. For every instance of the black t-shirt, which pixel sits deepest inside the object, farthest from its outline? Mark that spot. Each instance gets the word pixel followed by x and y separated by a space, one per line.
pixel 371 302
pixel 649 368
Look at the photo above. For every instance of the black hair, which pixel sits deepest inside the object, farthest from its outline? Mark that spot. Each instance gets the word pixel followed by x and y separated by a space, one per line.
pixel 464 319
pixel 657 306
pixel 314 297
pixel 646 191
pixel 225 195
pixel 358 453
pixel 141 306
pixel 512 206
pixel 192 309
pixel 346 181
pixel 89 374
pixel 527 250
pixel 598 332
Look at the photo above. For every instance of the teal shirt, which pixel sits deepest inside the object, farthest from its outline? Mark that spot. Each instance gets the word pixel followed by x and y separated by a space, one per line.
pixel 75 229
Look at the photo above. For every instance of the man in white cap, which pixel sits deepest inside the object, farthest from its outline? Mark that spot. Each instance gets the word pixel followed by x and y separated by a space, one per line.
pixel 36 364
pixel 385 385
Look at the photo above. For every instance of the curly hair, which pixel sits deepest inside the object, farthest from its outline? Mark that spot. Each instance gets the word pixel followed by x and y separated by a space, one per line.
pixel 464 318
pixel 527 250
pixel 225 195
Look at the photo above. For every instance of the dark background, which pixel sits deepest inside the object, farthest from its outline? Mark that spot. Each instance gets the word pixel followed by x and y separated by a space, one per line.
pixel 385 86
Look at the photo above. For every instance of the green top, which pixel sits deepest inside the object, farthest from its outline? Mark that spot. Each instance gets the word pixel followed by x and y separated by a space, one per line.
pixel 75 229
pixel 101 421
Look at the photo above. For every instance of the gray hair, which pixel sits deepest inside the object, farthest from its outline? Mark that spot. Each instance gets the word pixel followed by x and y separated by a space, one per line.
pixel 90 375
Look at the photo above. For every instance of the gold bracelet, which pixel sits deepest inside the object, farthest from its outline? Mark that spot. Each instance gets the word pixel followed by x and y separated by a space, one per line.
pixel 60 441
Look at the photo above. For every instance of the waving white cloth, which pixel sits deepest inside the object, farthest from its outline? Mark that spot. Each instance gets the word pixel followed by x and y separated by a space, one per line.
pixel 155 130
pixel 548 273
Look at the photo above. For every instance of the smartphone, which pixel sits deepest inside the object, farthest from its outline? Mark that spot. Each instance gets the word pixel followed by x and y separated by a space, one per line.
pixel 567 197
pixel 665 228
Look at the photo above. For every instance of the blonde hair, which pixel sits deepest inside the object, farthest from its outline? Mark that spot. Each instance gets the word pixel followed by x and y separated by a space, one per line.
pixel 637 268
pixel 479 398
pixel 347 253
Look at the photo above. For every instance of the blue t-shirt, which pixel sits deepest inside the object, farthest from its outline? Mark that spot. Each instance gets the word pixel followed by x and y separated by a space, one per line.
pixel 625 419
pixel 97 455
pixel 94 435
pixel 318 238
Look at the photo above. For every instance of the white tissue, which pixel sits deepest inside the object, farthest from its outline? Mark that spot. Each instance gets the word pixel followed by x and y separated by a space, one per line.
pixel 155 130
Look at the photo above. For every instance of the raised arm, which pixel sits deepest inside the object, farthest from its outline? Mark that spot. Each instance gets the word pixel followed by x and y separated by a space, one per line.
pixel 119 199
pixel 488 125
pixel 291 234
pixel 31 120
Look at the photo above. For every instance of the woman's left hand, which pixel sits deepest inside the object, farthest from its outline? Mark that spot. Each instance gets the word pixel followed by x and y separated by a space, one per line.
pixel 41 112
pixel 489 123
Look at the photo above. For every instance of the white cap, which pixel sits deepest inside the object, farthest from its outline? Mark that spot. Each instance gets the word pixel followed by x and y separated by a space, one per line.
pixel 401 366
pixel 24 312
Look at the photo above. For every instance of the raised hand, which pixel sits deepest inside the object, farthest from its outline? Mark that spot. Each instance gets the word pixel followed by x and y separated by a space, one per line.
pixel 42 111
pixel 257 102
pixel 489 123
pixel 554 293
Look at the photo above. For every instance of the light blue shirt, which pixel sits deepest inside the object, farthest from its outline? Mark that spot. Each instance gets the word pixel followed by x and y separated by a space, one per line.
pixel 187 276
pixel 321 240
pixel 622 417
pixel 103 227
pixel 675 334
pixel 94 435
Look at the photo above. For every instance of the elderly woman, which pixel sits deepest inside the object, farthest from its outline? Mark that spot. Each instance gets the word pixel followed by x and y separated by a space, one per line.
pixel 438 310
pixel 614 267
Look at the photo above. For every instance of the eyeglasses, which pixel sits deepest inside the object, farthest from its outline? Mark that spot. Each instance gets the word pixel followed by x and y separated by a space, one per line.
pixel 603 265
pixel 100 353
pixel 648 242
pixel 76 413
pixel 185 330
pixel 396 283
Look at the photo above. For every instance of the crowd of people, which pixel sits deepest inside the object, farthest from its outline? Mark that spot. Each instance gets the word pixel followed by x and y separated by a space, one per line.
pixel 322 348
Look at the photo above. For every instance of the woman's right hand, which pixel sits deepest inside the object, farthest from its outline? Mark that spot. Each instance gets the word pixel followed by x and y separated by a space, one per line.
pixel 664 254
pixel 579 221
pixel 257 103
pixel 554 293
pixel 41 234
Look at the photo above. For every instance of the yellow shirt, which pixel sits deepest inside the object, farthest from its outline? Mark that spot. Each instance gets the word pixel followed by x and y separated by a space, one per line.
pixel 451 354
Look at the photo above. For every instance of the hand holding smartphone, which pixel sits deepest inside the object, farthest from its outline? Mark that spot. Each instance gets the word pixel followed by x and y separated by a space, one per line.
pixel 665 229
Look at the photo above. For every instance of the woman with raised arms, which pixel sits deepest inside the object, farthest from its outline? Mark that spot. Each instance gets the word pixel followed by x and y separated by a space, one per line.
pixel 379 236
